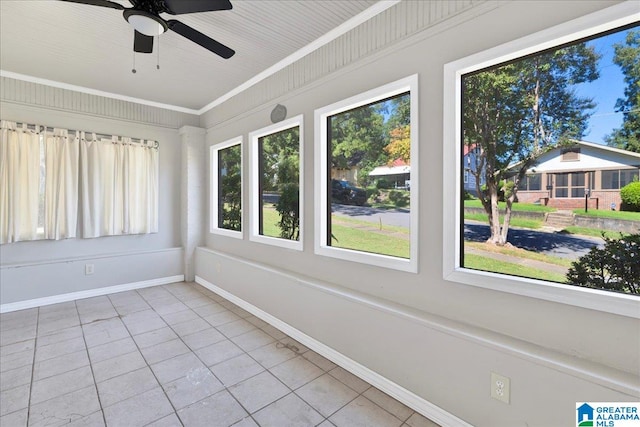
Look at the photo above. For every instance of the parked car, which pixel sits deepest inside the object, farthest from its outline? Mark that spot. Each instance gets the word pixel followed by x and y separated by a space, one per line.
pixel 346 193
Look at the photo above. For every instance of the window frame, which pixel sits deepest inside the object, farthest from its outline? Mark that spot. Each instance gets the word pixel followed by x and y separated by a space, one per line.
pixel 589 25
pixel 254 183
pixel 322 173
pixel 213 202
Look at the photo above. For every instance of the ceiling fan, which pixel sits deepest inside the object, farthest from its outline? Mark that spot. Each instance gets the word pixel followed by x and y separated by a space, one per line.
pixel 145 18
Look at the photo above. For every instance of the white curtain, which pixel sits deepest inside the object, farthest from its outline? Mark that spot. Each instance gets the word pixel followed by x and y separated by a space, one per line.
pixel 119 182
pixel 61 185
pixel 19 182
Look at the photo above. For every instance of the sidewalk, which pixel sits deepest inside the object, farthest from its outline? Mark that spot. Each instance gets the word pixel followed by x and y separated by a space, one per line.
pixel 539 265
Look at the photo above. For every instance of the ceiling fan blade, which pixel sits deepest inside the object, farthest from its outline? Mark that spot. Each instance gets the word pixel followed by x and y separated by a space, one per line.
pixel 199 38
pixel 102 3
pixel 142 43
pixel 177 7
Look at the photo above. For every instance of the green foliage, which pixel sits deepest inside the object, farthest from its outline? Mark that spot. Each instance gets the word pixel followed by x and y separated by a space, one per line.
pixel 288 207
pixel 383 184
pixel 280 154
pixel 615 267
pixel 469 196
pixel 399 198
pixel 230 185
pixel 630 195
pixel 518 111
pixel 627 57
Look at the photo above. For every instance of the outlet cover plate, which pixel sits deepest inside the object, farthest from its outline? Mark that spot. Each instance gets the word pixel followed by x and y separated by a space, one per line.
pixel 500 387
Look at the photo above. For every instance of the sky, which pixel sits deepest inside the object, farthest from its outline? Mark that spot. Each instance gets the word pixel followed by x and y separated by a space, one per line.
pixel 605 90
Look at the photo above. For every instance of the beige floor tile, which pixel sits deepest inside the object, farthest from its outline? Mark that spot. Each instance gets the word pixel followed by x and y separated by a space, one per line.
pixel 118 365
pixel 272 354
pixel 143 321
pixel 221 409
pixel 157 336
pixel 203 338
pixel 198 384
pixel 237 369
pixel 290 411
pixel 168 421
pixel 417 420
pixel 14 399
pixel 259 391
pixel 252 340
pixel 218 352
pixel 15 377
pixel 139 410
pixel 176 367
pixel 296 372
pixel 190 327
pixel 65 409
pixel 15 419
pixel 112 349
pixel 349 379
pixel 362 412
pixel 326 394
pixel 126 386
pixel 235 328
pixel 164 351
pixel 59 365
pixel 388 403
pixel 61 384
pixel 94 420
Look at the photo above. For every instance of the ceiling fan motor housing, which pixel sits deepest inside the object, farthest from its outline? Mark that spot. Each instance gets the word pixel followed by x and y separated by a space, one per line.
pixel 144 22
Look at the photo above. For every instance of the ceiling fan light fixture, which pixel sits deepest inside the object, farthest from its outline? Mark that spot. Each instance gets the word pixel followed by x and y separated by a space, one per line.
pixel 145 23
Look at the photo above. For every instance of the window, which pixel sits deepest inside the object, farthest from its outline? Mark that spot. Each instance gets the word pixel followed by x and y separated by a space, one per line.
pixel 463 88
pixel 276 183
pixel 226 188
pixel 570 154
pixel 616 179
pixel 531 182
pixel 365 180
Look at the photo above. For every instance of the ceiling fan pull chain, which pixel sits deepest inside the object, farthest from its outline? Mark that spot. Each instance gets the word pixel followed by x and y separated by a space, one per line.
pixel 133 70
pixel 158 44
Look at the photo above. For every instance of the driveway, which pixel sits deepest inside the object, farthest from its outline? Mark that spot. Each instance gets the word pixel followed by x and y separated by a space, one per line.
pixel 395 217
pixel 555 244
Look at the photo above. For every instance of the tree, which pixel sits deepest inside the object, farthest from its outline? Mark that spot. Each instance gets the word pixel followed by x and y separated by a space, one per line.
pixel 230 194
pixel 627 57
pixel 615 267
pixel 400 145
pixel 281 173
pixel 517 112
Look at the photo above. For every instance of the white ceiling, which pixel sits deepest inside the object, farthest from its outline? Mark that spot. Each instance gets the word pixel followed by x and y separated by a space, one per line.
pixel 92 47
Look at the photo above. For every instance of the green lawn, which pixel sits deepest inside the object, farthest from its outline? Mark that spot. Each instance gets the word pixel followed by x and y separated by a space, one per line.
pixel 594 232
pixel 520 253
pixel 369 241
pixel 516 222
pixel 522 207
pixel 478 262
pixel 270 219
pixel 633 216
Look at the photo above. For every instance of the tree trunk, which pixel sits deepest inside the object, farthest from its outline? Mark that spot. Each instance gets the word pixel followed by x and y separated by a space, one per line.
pixel 494 215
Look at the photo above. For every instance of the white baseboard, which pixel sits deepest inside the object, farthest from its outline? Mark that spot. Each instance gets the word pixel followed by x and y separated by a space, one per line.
pixel 394 390
pixel 21 305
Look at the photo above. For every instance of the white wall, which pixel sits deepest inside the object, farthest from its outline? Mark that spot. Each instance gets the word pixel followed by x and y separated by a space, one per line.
pixel 590 158
pixel 38 269
pixel 555 354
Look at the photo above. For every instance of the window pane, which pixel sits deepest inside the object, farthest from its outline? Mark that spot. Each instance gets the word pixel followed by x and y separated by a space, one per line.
pixel 626 176
pixel 369 156
pixel 562 192
pixel 230 188
pixel 577 179
pixel 562 179
pixel 279 174
pixel 610 180
pixel 577 192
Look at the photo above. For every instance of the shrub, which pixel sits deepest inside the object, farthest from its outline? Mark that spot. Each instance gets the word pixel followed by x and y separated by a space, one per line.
pixel 288 207
pixel 630 195
pixel 615 267
pixel 399 198
pixel 383 184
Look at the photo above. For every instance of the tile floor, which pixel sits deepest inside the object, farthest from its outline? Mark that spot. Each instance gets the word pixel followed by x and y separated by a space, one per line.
pixel 174 355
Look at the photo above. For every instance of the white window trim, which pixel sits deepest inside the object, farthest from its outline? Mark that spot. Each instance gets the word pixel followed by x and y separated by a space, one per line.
pixel 610 302
pixel 408 84
pixel 213 205
pixel 254 184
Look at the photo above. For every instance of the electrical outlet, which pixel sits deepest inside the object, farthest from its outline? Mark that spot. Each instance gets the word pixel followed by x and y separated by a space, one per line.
pixel 88 269
pixel 500 387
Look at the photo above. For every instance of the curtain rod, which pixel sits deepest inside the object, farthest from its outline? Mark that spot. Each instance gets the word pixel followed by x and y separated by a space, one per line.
pixel 98 135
